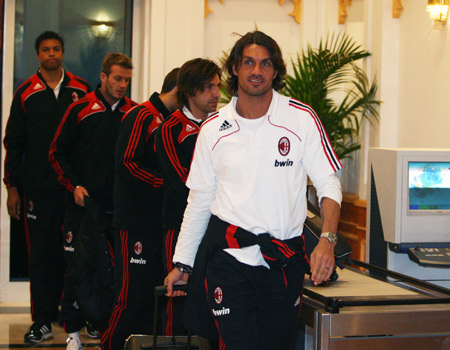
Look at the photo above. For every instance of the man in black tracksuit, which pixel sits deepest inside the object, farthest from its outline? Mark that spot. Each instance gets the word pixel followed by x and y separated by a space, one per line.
pixel 137 217
pixel 37 108
pixel 82 154
pixel 175 142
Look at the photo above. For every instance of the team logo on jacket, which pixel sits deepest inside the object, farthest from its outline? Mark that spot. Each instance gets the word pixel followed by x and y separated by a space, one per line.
pixel 30 208
pixel 218 295
pixel 284 146
pixel 189 128
pixel 225 125
pixel 69 237
pixel 138 248
pixel 75 96
pixel 38 86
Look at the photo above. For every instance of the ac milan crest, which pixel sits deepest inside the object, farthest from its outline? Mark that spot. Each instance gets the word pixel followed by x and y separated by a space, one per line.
pixel 218 295
pixel 138 248
pixel 284 146
pixel 69 237
pixel 75 96
pixel 30 206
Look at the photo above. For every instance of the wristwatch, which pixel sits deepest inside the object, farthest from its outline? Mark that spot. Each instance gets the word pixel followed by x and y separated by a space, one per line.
pixel 182 267
pixel 331 236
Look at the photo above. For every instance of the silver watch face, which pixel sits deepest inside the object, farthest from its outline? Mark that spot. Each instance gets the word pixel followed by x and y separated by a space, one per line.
pixel 332 237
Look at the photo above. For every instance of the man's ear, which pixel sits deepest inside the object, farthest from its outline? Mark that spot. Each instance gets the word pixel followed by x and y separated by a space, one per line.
pixel 235 68
pixel 103 76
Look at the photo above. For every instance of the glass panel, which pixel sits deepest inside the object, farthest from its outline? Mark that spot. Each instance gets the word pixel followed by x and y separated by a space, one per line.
pixel 89 29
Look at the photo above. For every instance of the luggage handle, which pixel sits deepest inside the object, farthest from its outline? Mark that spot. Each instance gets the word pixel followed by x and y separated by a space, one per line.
pixel 159 292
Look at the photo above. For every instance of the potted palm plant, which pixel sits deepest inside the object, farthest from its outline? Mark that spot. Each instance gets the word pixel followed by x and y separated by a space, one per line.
pixel 330 80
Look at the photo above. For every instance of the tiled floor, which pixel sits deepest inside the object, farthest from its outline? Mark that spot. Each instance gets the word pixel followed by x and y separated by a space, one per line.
pixel 14 322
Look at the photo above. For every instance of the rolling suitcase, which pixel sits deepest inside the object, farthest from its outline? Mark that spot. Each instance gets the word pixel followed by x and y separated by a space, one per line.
pixel 159 342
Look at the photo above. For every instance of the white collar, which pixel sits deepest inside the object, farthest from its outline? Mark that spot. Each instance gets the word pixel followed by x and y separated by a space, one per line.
pixel 189 115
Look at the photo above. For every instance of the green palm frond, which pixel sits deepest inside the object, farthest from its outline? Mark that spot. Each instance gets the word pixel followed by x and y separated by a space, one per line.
pixel 330 70
pixel 225 97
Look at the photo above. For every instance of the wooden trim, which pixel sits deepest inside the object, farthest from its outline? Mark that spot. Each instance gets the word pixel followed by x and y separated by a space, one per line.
pixel 397 8
pixel 342 10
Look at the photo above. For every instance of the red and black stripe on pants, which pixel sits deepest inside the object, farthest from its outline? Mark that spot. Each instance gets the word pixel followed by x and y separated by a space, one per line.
pixel 44 236
pixel 174 307
pixel 138 270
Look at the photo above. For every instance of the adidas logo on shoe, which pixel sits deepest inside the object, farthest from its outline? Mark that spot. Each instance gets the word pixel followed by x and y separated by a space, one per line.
pixel 38 332
pixel 225 125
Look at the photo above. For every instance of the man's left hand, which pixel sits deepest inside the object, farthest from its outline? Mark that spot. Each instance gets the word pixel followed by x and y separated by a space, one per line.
pixel 322 261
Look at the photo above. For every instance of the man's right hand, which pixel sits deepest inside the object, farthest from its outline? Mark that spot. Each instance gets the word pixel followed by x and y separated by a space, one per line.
pixel 175 277
pixel 13 203
pixel 79 193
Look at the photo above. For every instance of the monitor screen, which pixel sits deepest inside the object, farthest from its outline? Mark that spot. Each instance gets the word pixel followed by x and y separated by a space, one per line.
pixel 429 185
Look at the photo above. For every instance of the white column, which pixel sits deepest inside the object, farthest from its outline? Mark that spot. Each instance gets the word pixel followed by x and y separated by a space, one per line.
pixel 166 33
pixel 10 292
pixel 388 75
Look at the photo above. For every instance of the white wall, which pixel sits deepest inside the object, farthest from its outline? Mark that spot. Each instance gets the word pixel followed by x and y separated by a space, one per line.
pixel 166 33
pixel 424 80
pixel 411 60
pixel 242 16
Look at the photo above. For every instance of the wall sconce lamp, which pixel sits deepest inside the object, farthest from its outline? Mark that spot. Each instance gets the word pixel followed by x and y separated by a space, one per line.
pixel 438 10
pixel 102 29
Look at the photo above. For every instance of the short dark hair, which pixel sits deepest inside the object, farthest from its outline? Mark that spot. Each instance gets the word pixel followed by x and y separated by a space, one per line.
pixel 236 55
pixel 170 81
pixel 48 34
pixel 116 58
pixel 193 76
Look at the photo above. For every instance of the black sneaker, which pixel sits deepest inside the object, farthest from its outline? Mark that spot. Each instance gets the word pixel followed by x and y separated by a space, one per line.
pixel 91 332
pixel 38 332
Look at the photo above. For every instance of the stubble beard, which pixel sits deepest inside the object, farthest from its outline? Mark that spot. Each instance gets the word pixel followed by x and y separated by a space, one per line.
pixel 247 89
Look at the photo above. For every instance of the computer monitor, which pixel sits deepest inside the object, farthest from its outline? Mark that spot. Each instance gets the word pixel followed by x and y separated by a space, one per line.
pixel 429 187
pixel 412 187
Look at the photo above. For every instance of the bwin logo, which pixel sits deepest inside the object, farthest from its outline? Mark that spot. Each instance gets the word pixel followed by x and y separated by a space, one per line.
pixel 283 163
pixel 223 311
pixel 138 261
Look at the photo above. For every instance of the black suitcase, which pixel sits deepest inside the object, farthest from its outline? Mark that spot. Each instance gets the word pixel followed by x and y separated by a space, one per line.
pixel 142 341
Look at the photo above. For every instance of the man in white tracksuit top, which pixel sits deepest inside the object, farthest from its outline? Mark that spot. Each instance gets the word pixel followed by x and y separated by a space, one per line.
pixel 249 171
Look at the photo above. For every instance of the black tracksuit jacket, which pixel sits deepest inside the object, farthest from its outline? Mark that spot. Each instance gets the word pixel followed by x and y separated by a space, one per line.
pixel 35 116
pixel 175 143
pixel 138 187
pixel 82 152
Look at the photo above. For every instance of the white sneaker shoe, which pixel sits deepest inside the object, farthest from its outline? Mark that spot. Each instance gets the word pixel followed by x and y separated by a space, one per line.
pixel 73 344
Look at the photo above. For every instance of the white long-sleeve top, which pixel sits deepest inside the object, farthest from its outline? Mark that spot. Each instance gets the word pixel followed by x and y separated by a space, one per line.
pixel 252 173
